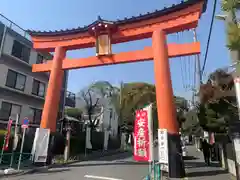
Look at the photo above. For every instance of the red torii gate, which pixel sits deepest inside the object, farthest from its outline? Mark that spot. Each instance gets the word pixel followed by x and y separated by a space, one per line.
pixel 103 34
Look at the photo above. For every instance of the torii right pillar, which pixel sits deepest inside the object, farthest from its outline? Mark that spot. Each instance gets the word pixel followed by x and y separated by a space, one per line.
pixel 165 103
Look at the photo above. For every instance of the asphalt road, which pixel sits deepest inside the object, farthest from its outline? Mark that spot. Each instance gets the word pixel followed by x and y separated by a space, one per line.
pixel 116 167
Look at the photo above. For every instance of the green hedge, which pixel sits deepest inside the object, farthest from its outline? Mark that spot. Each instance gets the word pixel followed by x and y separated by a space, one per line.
pixel 77 143
pixel 114 143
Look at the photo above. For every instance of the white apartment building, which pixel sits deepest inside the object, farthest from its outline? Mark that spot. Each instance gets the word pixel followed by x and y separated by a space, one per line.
pixel 105 115
pixel 21 91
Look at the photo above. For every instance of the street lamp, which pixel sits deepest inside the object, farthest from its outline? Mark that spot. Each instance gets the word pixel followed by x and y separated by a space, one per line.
pixel 221 17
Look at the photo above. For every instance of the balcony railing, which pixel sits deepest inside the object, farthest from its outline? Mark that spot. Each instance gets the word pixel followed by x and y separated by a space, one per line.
pixel 13 26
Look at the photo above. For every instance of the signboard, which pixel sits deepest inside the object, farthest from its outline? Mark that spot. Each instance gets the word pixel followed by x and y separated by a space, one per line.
pixel 40 145
pixel 141 136
pixel 25 123
pixel 163 146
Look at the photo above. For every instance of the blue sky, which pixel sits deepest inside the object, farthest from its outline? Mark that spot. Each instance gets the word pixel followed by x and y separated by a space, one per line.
pixel 55 15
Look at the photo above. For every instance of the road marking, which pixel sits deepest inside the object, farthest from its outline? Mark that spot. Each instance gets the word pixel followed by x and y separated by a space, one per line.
pixel 101 177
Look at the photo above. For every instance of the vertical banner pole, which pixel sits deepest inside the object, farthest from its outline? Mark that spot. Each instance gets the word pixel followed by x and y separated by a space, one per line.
pixel 150 133
pixel 20 156
pixel 14 139
pixel 150 169
pixel 85 150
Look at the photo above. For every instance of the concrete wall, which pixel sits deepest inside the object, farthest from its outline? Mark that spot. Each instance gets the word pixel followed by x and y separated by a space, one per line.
pixel 227 156
pixel 231 167
pixel 230 158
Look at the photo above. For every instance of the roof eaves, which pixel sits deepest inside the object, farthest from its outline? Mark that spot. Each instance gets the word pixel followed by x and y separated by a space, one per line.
pixel 140 17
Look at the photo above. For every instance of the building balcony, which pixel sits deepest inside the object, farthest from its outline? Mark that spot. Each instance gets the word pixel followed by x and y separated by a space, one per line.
pixel 70 99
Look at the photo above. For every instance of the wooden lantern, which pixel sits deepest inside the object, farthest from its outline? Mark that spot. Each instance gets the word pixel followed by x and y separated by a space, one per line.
pixel 103 45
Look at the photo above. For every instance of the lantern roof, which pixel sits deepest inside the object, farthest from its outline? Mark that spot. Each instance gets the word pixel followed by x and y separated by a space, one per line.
pixel 125 21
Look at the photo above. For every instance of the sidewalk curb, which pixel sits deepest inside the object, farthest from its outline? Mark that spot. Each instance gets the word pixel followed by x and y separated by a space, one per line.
pixel 39 169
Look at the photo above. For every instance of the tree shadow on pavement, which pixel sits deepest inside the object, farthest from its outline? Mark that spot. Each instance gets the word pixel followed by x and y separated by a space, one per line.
pixel 114 157
pixel 189 158
pixel 49 171
pixel 190 164
pixel 108 164
pixel 206 173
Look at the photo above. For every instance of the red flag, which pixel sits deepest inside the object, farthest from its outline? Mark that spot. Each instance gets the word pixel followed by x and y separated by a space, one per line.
pixel 141 136
pixel 8 134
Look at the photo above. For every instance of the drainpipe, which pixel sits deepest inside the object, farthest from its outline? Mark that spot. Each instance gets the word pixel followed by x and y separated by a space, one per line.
pixel 3 40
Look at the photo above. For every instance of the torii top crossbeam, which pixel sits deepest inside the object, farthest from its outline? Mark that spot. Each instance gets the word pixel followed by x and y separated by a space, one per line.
pixel 173 19
pixel 177 18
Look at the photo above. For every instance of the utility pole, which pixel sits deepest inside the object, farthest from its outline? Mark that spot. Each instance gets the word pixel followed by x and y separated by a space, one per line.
pixel 120 102
pixel 198 69
pixel 197 83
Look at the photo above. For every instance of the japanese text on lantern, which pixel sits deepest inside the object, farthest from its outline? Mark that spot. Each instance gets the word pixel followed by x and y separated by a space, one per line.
pixel 141 136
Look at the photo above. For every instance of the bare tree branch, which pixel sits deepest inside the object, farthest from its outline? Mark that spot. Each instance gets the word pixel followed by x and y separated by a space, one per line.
pixel 96 117
pixel 230 103
pixel 96 103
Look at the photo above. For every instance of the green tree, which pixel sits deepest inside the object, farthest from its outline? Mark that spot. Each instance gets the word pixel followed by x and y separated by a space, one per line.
pixel 74 112
pixel 217 108
pixel 181 108
pixel 191 124
pixel 138 95
pixel 233 29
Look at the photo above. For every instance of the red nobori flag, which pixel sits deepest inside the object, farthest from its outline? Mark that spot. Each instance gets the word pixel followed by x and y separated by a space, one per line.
pixel 141 136
pixel 7 136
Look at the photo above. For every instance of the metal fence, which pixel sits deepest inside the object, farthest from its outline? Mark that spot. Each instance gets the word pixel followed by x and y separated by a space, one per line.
pixel 13 26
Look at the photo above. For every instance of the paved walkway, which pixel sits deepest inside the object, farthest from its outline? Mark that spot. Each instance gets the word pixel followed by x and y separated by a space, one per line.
pixel 197 170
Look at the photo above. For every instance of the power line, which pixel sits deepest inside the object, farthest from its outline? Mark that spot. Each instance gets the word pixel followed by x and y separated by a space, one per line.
pixel 209 36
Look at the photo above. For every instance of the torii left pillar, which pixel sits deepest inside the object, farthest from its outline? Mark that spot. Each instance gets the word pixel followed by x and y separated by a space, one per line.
pixel 51 105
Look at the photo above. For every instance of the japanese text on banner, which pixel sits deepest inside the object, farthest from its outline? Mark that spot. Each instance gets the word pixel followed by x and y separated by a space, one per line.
pixel 141 136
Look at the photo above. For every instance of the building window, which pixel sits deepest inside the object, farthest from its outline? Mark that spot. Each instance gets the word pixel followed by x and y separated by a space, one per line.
pixel 38 88
pixel 21 51
pixel 39 59
pixel 35 115
pixel 9 110
pixel 15 80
